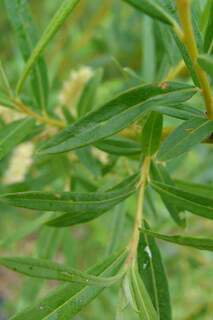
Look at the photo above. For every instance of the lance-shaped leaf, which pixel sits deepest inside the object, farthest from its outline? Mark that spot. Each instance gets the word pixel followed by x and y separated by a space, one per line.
pixel 199 205
pixel 208 36
pixel 87 98
pixel 6 101
pixel 116 115
pixel 141 297
pixel 184 137
pixel 46 269
pixel 159 173
pixel 14 133
pixel 186 57
pixel 206 62
pixel 153 9
pixel 151 133
pixel 119 146
pixel 80 207
pixel 21 20
pixel 68 300
pixel 180 111
pixel 57 21
pixel 197 188
pixel 152 272
pixel 194 242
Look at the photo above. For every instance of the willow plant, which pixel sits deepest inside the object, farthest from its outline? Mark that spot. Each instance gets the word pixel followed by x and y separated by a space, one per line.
pixel 129 130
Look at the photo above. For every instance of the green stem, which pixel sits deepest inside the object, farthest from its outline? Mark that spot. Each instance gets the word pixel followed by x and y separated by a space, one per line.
pixel 139 213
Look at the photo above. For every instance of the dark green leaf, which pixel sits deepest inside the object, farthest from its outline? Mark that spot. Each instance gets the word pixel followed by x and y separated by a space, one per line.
pixel 46 269
pixel 116 115
pixel 21 20
pixel 199 205
pixel 206 62
pixel 197 188
pixel 152 271
pixel 68 300
pixel 119 146
pixel 14 133
pixel 184 137
pixel 159 173
pixel 153 9
pixel 60 16
pixel 208 37
pixel 6 101
pixel 187 59
pixel 87 99
pixel 198 243
pixel 151 133
pixel 141 297
pixel 80 207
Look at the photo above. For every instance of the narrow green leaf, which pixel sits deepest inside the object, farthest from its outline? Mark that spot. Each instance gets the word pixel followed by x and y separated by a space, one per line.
pixel 119 146
pixel 89 161
pixel 153 274
pixel 184 137
pixel 160 174
pixel 198 243
pixel 180 111
pixel 87 99
pixel 14 133
pixel 68 300
pixel 46 269
pixel 206 62
pixel 153 9
pixel 6 101
pixel 116 115
pixel 60 16
pixel 141 296
pixel 151 133
pixel 187 59
pixel 22 22
pixel 199 205
pixel 208 36
pixel 80 207
pixel 197 188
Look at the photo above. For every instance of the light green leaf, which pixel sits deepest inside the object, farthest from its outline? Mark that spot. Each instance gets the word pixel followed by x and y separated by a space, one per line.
pixel 153 274
pixel 151 133
pixel 46 269
pixel 153 9
pixel 141 297
pixel 187 59
pixel 184 137
pixel 14 133
pixel 68 300
pixel 208 36
pixel 80 207
pixel 21 21
pixel 197 188
pixel 159 173
pixel 206 62
pixel 116 115
pixel 60 16
pixel 199 205
pixel 6 101
pixel 198 243
pixel 87 98
pixel 119 146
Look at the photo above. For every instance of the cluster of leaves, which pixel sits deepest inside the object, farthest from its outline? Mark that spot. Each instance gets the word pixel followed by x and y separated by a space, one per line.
pixel 130 127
